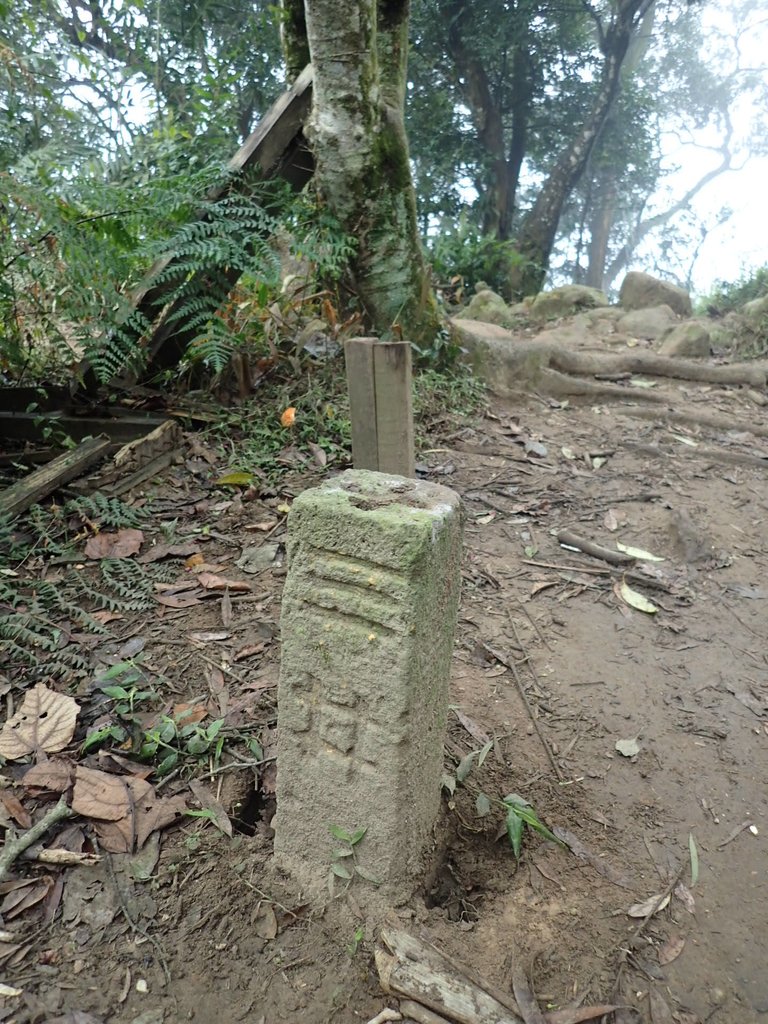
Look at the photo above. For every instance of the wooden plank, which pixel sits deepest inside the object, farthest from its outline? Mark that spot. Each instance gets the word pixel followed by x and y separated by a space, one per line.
pixel 42 482
pixel 394 407
pixel 276 149
pixel 358 355
pixel 34 426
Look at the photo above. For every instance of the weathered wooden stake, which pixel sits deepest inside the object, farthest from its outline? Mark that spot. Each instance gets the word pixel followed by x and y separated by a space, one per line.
pixel 380 405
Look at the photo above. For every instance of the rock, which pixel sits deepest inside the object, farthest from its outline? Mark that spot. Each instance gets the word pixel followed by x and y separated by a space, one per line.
pixel 689 340
pixel 490 308
pixel 610 313
pixel 640 291
pixel 757 310
pixel 649 323
pixel 566 300
pixel 316 341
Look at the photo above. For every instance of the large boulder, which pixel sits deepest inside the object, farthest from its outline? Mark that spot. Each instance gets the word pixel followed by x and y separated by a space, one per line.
pixel 756 311
pixel 641 291
pixel 490 308
pixel 566 300
pixel 688 341
pixel 649 323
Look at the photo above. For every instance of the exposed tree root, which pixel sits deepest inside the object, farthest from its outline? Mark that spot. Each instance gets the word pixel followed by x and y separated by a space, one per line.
pixel 510 365
pixel 702 419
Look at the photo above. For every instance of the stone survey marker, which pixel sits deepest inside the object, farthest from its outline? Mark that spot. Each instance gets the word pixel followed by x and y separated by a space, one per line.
pixel 369 611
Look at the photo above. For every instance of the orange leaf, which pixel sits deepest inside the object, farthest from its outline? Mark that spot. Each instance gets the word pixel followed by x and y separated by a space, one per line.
pixel 329 313
pixel 288 417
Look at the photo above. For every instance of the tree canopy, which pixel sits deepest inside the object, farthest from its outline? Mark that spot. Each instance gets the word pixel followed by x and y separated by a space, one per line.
pixel 549 133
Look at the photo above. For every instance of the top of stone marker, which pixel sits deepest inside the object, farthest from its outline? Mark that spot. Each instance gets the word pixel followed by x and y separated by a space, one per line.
pixel 366 487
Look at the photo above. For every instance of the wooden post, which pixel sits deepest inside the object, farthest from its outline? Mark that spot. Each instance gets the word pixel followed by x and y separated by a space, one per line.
pixel 380 405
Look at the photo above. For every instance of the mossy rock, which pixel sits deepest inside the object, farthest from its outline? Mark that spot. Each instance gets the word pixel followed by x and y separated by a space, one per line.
pixel 688 341
pixel 489 308
pixel 571 298
pixel 641 291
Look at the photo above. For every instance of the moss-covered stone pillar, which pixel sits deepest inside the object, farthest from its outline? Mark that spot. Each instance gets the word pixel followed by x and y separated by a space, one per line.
pixel 369 611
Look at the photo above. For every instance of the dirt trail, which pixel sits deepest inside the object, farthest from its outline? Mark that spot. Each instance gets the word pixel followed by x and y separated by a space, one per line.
pixel 688 683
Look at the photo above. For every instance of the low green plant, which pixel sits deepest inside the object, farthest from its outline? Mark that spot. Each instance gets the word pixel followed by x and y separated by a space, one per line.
pixel 357 938
pixel 173 739
pixel 344 863
pixel 518 812
pixel 460 250
pixel 169 740
pixel 730 296
pixel 260 447
pixel 456 391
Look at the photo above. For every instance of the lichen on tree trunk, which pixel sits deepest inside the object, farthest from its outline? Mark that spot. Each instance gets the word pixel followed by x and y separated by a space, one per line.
pixel 359 50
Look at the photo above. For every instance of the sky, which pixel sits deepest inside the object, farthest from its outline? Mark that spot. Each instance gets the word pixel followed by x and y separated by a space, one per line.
pixel 739 244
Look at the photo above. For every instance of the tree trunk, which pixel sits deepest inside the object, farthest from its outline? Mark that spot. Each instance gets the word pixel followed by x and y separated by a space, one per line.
pixel 539 227
pixel 358 50
pixel 601 221
pixel 499 186
pixel 293 36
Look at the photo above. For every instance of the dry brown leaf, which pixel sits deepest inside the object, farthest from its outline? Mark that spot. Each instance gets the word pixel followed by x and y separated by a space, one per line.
pixel 99 795
pixel 660 1011
pixel 55 775
pixel 153 812
pixel 653 905
pixel 212 582
pixel 16 809
pixel 226 609
pixel 193 560
pixel 44 722
pixel 318 454
pixel 146 813
pixel 106 616
pixel 265 925
pixel 671 949
pixel 526 1000
pixel 685 896
pixel 209 636
pixel 248 651
pixel 187 714
pixel 179 600
pixel 25 896
pixel 123 544
pixel 208 802
pixel 164 550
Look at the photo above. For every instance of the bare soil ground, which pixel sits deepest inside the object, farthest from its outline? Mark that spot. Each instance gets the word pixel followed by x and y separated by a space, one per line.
pixel 552 662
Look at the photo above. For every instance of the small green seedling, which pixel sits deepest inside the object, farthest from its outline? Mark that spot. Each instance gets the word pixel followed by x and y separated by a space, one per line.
pixel 357 938
pixel 519 814
pixel 344 863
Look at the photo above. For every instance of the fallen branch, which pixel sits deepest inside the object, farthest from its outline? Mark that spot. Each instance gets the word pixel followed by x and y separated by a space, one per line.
pixel 567 538
pixel 419 1013
pixel 510 664
pixel 416 970
pixel 702 419
pixel 42 482
pixel 15 847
